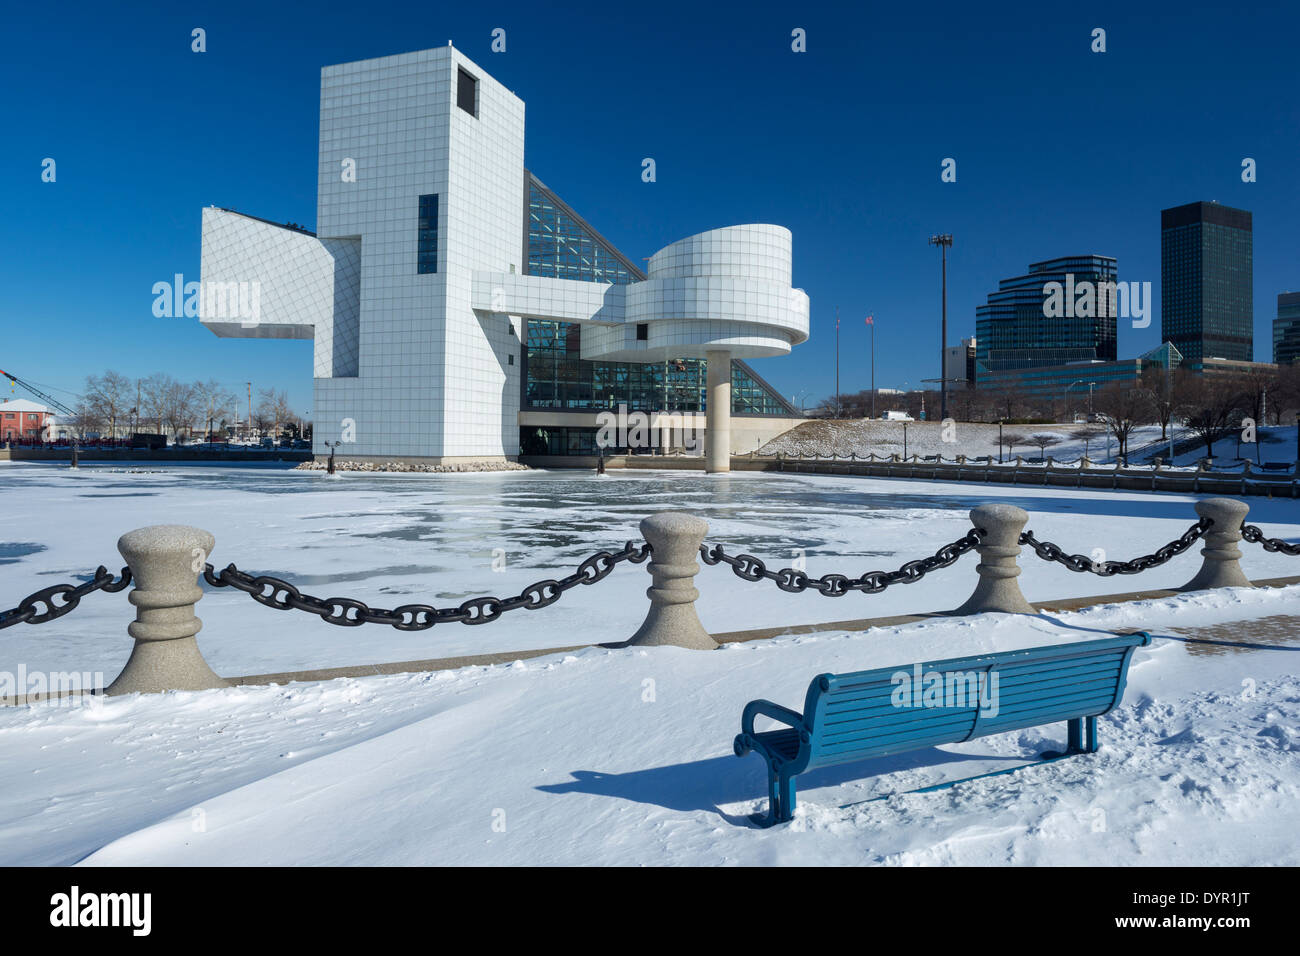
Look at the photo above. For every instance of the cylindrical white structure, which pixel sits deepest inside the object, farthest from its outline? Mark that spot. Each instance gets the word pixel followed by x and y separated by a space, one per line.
pixel 717 435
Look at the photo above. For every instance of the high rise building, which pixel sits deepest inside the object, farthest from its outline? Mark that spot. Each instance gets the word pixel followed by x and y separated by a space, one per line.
pixel 1061 311
pixel 1206 271
pixel 440 266
pixel 1286 329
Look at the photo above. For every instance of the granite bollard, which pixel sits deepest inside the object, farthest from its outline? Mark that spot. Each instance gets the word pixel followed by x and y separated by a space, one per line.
pixel 675 539
pixel 1220 567
pixel 997 588
pixel 165 561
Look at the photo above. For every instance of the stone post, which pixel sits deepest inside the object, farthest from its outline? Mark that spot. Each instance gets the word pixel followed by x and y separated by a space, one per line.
pixel 675 538
pixel 997 589
pixel 165 561
pixel 1220 554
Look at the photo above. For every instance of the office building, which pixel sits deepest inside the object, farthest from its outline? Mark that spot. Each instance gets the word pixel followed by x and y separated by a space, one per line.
pixel 1286 329
pixel 1061 311
pixel 1206 272
pixel 457 305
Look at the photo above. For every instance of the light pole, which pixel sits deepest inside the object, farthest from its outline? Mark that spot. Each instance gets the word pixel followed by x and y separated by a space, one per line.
pixel 943 241
pixel 1067 393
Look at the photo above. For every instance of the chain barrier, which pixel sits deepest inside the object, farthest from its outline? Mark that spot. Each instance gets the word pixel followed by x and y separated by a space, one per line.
pixel 347 612
pixel 750 568
pixel 1255 535
pixel 1078 562
pixel 29 610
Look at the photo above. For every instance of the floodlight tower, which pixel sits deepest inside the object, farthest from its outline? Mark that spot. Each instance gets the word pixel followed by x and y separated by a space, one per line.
pixel 943 241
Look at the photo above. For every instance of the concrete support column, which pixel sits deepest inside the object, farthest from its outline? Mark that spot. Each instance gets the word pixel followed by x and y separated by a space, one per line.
pixel 675 538
pixel 1220 554
pixel 165 561
pixel 717 436
pixel 998 589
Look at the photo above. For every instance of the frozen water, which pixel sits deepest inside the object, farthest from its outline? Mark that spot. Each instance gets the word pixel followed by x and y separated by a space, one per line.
pixel 395 539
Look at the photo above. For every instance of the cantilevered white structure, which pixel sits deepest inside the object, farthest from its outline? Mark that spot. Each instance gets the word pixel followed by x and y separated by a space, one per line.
pixel 453 298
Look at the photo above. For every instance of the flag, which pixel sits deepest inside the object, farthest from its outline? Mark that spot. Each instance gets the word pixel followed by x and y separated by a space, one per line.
pixel 871 320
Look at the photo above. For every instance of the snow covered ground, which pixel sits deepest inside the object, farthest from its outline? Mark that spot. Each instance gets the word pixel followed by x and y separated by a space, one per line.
pixel 621 756
pixel 624 757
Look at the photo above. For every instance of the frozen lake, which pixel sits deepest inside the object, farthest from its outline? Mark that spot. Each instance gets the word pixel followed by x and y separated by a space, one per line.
pixel 395 539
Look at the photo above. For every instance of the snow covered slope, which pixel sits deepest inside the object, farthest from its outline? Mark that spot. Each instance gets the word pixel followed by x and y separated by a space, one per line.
pixel 625 757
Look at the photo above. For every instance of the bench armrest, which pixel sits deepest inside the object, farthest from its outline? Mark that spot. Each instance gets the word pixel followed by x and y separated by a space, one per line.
pixel 768 709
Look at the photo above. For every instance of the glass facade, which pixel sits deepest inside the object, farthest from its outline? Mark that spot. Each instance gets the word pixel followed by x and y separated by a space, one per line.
pixel 1066 381
pixel 558 378
pixel 561 245
pixel 1206 272
pixel 1016 329
pixel 427 252
pixel 1286 329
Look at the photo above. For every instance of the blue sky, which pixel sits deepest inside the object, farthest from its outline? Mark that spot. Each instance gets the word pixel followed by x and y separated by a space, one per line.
pixel 1059 151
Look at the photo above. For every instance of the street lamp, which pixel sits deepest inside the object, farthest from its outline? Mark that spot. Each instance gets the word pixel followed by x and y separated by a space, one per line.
pixel 943 241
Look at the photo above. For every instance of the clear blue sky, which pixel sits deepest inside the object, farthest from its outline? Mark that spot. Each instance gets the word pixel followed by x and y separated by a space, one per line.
pixel 1059 151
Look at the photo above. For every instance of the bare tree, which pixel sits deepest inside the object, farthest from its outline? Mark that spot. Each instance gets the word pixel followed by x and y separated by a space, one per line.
pixel 1123 408
pixel 179 407
pixel 1212 411
pixel 1011 439
pixel 1085 435
pixel 1044 440
pixel 107 399
pixel 214 401
pixel 274 409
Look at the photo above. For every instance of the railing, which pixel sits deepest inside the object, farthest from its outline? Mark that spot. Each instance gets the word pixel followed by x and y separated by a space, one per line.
pixel 165 561
pixel 1242 477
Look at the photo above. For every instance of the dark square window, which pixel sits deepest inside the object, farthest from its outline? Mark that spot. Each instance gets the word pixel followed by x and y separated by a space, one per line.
pixel 467 93
pixel 642 332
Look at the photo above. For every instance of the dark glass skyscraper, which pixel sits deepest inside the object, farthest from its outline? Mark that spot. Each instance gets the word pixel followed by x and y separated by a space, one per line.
pixel 1206 271
pixel 1286 329
pixel 1029 323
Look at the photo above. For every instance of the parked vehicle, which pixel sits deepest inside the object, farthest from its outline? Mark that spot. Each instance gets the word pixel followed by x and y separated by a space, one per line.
pixel 148 441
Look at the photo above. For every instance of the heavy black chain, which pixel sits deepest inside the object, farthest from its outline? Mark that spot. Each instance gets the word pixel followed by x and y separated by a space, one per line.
pixel 29 610
pixel 1254 535
pixel 1078 562
pixel 346 612
pixel 750 568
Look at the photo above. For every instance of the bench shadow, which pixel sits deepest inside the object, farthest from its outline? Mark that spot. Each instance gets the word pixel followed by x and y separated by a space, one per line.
pixel 708 784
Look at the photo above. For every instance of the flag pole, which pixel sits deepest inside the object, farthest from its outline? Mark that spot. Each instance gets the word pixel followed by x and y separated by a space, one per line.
pixel 871 321
pixel 837 362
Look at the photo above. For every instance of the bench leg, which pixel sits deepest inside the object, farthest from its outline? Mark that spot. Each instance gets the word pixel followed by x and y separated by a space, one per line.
pixel 1081 738
pixel 780 800
pixel 786 786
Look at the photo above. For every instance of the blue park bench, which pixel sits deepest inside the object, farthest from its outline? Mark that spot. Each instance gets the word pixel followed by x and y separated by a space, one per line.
pixel 889 710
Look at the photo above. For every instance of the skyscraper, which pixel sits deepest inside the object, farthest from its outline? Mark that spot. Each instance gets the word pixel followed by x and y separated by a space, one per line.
pixel 1286 329
pixel 1063 310
pixel 1206 270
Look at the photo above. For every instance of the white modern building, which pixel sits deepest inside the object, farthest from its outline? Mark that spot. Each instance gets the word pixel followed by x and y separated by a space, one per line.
pixel 459 308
